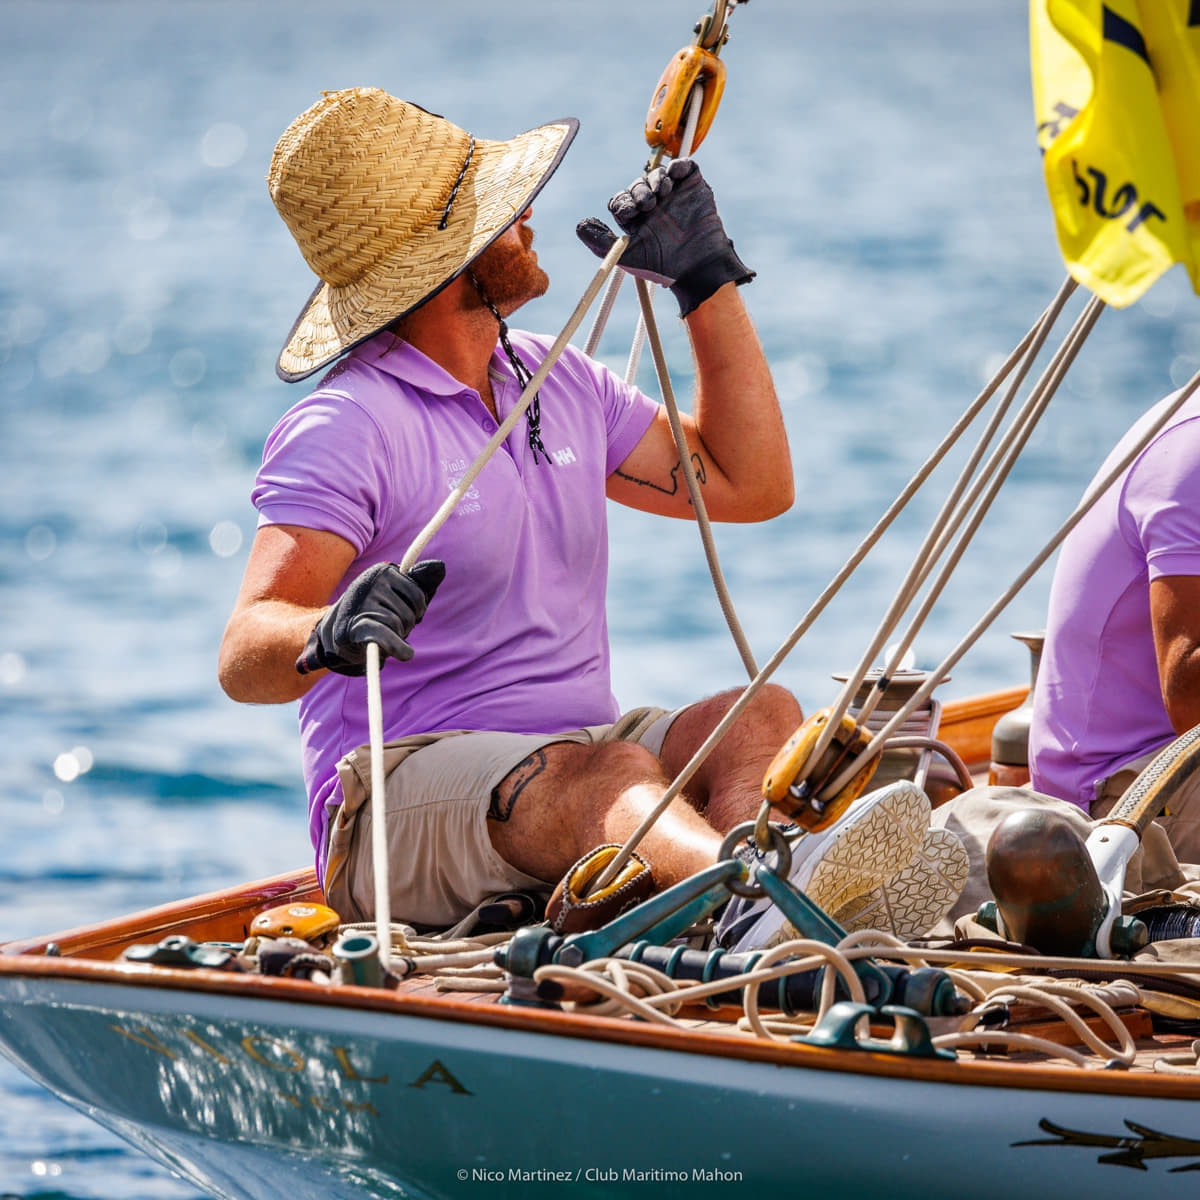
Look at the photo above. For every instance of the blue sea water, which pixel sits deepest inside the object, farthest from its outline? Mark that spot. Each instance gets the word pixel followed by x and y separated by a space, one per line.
pixel 874 162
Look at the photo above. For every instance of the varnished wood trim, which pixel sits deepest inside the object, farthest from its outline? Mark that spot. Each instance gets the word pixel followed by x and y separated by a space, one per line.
pixel 611 1030
pixel 967 724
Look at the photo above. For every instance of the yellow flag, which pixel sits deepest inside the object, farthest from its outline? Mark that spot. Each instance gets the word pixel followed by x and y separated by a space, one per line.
pixel 1116 92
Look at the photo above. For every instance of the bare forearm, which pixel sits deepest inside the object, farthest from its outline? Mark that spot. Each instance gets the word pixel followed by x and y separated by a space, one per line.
pixel 257 663
pixel 736 409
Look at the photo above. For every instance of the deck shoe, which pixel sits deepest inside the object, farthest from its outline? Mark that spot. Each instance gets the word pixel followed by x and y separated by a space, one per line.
pixel 915 899
pixel 878 836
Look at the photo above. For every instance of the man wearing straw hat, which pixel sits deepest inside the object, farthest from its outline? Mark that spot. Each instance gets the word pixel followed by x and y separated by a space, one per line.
pixel 507 758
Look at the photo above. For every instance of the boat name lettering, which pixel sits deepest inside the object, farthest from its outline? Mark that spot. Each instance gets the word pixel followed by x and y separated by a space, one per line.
pixel 277 1055
pixel 316 1102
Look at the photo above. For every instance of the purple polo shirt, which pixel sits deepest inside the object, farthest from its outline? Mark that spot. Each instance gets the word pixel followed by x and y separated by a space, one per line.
pixel 1098 703
pixel 516 639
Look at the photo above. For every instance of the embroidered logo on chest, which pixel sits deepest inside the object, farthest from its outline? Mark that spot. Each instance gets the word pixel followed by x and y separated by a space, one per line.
pixel 454 470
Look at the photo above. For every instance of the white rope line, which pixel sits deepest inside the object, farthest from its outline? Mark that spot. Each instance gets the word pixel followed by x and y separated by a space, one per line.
pixel 603 313
pixel 865 546
pixel 405 939
pixel 994 472
pixel 993 476
pixel 451 502
pixel 631 988
pixel 695 103
pixel 693 485
pixel 611 978
pixel 641 991
pixel 1007 960
pixel 972 636
pixel 379 849
pixel 1183 1062
pixel 1053 996
pixel 934 543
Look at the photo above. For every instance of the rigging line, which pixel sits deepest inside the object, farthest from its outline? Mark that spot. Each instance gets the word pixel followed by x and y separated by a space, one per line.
pixel 1035 564
pixel 756 684
pixel 695 103
pixel 379 848
pixel 997 470
pixel 624 854
pixel 1031 346
pixel 693 484
pixel 603 313
pixel 955 512
pixel 440 517
pixel 379 854
pixel 1023 427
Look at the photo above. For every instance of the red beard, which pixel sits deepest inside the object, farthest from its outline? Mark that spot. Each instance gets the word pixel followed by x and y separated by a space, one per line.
pixel 509 273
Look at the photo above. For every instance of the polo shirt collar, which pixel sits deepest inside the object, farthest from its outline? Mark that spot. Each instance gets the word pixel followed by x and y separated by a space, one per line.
pixel 387 352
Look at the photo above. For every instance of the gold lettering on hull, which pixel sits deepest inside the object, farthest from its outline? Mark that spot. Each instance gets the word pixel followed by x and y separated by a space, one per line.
pixel 257 1050
pixel 342 1054
pixel 437 1073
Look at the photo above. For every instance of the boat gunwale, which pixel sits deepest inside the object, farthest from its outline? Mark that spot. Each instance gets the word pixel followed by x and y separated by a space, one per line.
pixel 557 1023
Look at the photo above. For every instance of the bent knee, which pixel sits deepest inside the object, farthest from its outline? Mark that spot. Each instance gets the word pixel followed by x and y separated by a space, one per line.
pixel 627 760
pixel 772 704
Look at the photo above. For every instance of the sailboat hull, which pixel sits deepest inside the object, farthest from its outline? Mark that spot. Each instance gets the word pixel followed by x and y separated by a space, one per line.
pixel 257 1098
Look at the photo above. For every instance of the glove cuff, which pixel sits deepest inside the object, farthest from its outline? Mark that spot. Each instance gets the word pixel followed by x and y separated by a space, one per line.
pixel 314 657
pixel 695 286
pixel 311 656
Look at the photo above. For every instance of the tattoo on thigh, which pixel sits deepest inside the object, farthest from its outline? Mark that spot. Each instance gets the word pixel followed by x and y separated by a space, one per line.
pixel 501 806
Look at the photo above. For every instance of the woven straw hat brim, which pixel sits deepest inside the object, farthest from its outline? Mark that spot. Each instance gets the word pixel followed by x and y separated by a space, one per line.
pixel 504 179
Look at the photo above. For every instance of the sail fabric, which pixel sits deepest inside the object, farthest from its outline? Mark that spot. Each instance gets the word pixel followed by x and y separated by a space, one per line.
pixel 1116 89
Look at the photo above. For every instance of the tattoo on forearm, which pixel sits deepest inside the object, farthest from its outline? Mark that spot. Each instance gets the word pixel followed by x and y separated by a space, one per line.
pixel 676 482
pixel 501 805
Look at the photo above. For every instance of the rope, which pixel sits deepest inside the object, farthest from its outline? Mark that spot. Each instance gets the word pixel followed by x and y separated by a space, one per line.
pixel 1184 1062
pixel 693 484
pixel 611 978
pixel 695 103
pixel 631 843
pixel 1049 995
pixel 931 546
pixel 935 677
pixel 379 850
pixel 637 990
pixel 451 502
pixel 996 470
pixel 865 546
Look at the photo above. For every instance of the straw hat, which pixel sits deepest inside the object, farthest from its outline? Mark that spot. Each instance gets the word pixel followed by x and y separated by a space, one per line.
pixel 388 203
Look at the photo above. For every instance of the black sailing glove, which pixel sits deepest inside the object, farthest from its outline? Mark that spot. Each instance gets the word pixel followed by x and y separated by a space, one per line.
pixel 382 605
pixel 675 234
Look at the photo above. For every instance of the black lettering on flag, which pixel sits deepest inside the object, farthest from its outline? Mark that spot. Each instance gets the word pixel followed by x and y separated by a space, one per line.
pixel 1194 13
pixel 1125 33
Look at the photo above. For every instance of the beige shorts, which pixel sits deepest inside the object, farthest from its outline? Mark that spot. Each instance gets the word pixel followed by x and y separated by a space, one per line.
pixel 441 860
